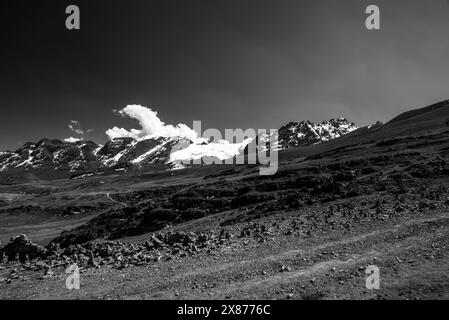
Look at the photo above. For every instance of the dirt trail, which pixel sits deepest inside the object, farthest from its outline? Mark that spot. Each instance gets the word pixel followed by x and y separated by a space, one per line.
pixel 108 195
pixel 367 249
pixel 382 247
pixel 289 267
pixel 311 249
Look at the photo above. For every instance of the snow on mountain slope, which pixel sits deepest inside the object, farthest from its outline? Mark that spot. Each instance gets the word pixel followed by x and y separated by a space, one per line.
pixel 296 134
pixel 146 155
pixel 221 149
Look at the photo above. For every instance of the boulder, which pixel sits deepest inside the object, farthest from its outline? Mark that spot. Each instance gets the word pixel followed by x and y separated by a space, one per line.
pixel 22 248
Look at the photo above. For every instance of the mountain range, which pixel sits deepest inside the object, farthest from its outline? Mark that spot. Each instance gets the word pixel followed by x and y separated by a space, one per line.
pixel 53 158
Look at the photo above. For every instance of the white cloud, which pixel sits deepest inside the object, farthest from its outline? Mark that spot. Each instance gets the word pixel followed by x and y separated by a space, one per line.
pixel 72 140
pixel 151 125
pixel 122 133
pixel 75 127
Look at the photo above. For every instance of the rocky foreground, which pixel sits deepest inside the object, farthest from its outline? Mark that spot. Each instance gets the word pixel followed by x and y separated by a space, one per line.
pixel 320 253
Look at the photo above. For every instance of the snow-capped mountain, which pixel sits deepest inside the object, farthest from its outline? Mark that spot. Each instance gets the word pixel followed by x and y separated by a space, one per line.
pixel 296 134
pixel 50 159
pixel 56 158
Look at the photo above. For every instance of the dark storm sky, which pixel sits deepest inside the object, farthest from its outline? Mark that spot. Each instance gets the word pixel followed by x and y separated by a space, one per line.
pixel 231 64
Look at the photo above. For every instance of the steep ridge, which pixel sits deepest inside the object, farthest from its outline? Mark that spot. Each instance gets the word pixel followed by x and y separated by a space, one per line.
pixel 302 133
pixel 433 119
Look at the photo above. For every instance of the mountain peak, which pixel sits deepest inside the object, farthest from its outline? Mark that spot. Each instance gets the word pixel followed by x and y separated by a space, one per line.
pixel 306 132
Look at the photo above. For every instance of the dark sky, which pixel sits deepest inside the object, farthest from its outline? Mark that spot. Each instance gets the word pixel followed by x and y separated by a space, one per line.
pixel 231 64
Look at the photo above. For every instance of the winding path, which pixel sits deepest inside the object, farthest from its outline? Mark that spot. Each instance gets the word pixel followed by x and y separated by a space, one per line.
pixel 108 195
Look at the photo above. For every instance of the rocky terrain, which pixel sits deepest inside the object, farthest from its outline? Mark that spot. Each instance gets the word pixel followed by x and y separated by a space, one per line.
pixel 304 133
pixel 376 196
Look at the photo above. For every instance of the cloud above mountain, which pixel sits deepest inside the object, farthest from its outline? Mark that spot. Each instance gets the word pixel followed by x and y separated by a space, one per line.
pixel 75 126
pixel 72 140
pixel 151 125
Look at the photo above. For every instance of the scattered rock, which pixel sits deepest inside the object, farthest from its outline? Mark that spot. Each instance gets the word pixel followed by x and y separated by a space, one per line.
pixel 284 269
pixel 21 249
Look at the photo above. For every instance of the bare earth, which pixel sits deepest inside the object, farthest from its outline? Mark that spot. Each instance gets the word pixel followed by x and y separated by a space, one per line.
pixel 412 256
